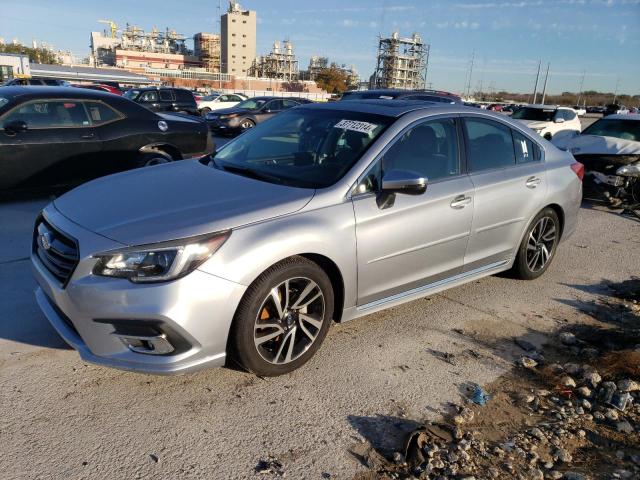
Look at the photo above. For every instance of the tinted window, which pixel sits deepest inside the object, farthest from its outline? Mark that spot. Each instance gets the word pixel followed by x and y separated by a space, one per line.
pixel 537 114
pixel 50 114
pixel 274 105
pixel 149 97
pixel 490 145
pixel 184 96
pixel 233 98
pixel 166 95
pixel 568 115
pixel 101 113
pixel 608 127
pixel 430 149
pixel 289 103
pixel 526 150
pixel 51 83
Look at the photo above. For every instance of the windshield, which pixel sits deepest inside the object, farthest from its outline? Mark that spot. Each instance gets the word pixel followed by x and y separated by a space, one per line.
pixel 131 94
pixel 304 148
pixel 624 129
pixel 209 98
pixel 252 103
pixel 537 114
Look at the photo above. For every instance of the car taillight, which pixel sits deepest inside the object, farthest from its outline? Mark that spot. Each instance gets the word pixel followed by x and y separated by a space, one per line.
pixel 578 169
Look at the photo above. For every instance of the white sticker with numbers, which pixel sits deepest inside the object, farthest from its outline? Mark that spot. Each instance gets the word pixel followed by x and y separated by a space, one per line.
pixel 356 126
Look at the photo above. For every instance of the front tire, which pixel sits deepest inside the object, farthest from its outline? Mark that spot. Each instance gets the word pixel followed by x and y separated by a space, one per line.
pixel 283 318
pixel 150 158
pixel 538 247
pixel 204 111
pixel 246 124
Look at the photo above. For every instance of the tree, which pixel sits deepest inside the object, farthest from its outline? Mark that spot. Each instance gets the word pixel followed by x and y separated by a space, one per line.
pixel 332 79
pixel 36 55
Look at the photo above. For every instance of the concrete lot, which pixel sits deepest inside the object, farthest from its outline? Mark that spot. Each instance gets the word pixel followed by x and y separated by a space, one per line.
pixel 62 418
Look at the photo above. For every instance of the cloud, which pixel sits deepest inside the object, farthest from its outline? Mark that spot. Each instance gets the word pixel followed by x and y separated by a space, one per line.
pixel 349 23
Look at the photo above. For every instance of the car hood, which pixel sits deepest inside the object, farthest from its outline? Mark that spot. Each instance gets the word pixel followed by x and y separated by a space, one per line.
pixel 181 117
pixel 535 124
pixel 594 144
pixel 226 111
pixel 175 200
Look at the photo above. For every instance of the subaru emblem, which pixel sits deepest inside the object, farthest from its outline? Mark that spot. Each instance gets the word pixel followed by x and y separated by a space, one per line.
pixel 45 240
pixel 162 125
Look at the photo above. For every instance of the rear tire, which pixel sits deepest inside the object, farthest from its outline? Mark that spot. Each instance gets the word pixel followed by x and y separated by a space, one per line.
pixel 204 111
pixel 538 247
pixel 283 318
pixel 150 158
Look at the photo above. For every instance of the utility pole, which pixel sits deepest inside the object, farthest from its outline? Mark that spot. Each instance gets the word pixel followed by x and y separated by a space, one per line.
pixel 584 72
pixel 535 88
pixel 473 55
pixel 615 95
pixel 544 89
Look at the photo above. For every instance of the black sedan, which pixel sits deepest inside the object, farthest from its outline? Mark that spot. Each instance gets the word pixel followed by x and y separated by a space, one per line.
pixel 248 114
pixel 53 136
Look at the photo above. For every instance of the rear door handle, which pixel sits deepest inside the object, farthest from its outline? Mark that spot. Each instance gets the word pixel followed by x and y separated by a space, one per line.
pixel 460 201
pixel 532 182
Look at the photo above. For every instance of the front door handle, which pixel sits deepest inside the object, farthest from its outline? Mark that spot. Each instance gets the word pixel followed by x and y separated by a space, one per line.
pixel 87 135
pixel 460 201
pixel 532 182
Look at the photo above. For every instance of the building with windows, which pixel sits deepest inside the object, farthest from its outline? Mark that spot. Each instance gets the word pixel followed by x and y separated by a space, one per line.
pixel 206 46
pixel 14 65
pixel 238 40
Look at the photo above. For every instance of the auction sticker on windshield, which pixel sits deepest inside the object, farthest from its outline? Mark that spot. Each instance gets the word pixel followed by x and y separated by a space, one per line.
pixel 356 126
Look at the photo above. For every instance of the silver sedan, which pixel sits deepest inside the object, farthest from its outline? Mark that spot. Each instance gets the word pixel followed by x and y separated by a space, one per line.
pixel 324 213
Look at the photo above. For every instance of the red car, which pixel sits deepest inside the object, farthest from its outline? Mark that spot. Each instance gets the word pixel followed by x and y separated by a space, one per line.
pixel 99 86
pixel 496 107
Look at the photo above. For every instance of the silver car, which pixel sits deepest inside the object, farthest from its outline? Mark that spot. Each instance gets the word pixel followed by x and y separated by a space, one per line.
pixel 324 213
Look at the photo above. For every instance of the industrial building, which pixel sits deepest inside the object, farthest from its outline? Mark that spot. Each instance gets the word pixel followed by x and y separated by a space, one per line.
pixel 238 39
pixel 206 46
pixel 401 62
pixel 279 64
pixel 14 65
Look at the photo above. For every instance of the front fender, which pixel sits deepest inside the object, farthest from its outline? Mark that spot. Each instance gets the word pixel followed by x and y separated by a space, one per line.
pixel 327 231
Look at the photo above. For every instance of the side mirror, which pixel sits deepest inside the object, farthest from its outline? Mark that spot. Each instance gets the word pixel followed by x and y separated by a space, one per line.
pixel 17 126
pixel 559 120
pixel 267 110
pixel 400 181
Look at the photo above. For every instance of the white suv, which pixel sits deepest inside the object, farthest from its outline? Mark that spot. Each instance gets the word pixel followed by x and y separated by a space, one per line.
pixel 548 120
pixel 217 101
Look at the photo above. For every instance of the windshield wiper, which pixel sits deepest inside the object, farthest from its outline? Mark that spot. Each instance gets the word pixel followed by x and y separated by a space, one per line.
pixel 247 172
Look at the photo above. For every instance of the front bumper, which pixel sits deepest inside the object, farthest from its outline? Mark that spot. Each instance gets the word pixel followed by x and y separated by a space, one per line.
pixel 221 126
pixel 196 309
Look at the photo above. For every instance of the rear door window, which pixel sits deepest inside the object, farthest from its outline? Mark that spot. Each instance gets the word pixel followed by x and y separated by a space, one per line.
pixel 289 103
pixel 166 95
pixel 184 96
pixel 149 97
pixel 101 113
pixel 490 145
pixel 526 150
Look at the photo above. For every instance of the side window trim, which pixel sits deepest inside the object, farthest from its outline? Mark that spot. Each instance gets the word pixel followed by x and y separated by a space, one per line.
pixel 119 114
pixel 462 164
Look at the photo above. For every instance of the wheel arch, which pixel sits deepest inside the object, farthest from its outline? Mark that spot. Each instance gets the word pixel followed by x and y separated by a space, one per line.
pixel 168 148
pixel 335 276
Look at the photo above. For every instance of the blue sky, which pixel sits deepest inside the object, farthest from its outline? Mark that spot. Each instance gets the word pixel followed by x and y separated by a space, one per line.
pixel 508 36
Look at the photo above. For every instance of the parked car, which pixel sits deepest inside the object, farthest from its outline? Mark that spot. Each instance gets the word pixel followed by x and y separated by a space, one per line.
pixel 218 101
pixel 295 224
pixel 39 82
pixel 615 109
pixel 495 107
pixel 610 151
pixel 580 111
pixel 547 120
pixel 247 114
pixel 164 99
pixel 396 94
pixel 98 86
pixel 61 136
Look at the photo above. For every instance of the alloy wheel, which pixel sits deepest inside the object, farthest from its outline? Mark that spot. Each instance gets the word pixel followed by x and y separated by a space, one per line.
pixel 540 244
pixel 246 124
pixel 289 320
pixel 156 161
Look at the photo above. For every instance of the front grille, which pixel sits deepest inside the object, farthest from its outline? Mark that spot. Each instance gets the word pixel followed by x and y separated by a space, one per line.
pixel 57 251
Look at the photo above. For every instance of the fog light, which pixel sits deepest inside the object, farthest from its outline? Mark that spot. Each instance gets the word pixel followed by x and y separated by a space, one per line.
pixel 151 345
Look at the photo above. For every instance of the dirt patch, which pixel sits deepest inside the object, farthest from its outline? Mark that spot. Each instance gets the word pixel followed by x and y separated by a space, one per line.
pixel 570 409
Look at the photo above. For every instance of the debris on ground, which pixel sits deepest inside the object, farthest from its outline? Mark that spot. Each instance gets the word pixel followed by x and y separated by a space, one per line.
pixel 271 465
pixel 573 417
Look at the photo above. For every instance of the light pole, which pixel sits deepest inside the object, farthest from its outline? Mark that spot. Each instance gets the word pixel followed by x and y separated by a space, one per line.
pixel 535 88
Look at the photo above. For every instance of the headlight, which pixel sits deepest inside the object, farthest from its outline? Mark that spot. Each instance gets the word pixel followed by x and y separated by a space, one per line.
pixel 159 262
pixel 230 115
pixel 629 171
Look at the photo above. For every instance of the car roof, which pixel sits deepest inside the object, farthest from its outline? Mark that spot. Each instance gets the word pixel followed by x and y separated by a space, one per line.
pixel 618 116
pixel 52 92
pixel 389 108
